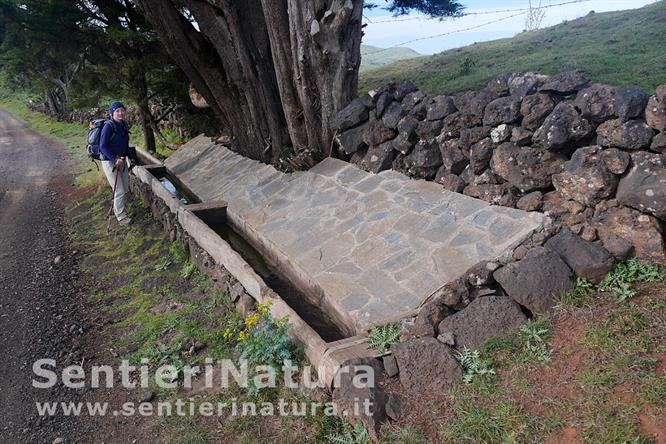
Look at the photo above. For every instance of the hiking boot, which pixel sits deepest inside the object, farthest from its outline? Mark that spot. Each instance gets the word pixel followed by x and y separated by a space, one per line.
pixel 124 222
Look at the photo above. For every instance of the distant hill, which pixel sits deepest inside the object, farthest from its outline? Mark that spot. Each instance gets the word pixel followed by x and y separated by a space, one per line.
pixel 373 57
pixel 624 48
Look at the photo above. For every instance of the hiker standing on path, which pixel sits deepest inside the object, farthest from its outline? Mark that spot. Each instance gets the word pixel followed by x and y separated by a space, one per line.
pixel 115 151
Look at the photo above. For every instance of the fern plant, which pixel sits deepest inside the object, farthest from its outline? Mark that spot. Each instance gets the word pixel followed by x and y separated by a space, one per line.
pixel 473 365
pixel 623 291
pixel 382 337
pixel 349 434
pixel 533 332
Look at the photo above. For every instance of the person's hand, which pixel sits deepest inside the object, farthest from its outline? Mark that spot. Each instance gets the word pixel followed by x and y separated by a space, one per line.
pixel 120 163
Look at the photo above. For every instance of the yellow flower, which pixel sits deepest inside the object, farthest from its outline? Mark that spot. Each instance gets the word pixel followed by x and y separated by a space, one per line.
pixel 228 333
pixel 280 323
pixel 251 320
pixel 265 307
pixel 242 336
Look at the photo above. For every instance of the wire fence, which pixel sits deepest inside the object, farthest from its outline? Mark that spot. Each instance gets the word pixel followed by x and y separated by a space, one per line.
pixel 518 12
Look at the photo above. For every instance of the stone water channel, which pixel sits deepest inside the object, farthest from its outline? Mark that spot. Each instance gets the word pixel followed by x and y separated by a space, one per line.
pixel 267 271
pixel 359 249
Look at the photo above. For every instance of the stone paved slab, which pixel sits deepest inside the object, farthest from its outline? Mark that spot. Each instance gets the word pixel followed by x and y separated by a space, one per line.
pixel 377 245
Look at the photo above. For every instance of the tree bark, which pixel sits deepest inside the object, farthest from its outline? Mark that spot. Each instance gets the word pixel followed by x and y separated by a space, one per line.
pixel 230 64
pixel 317 52
pixel 274 71
pixel 145 115
pixel 65 90
pixel 54 103
pixel 148 135
pixel 158 134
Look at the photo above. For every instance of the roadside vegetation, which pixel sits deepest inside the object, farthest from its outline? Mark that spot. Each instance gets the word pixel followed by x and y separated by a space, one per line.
pixel 162 310
pixel 72 134
pixel 618 48
pixel 592 371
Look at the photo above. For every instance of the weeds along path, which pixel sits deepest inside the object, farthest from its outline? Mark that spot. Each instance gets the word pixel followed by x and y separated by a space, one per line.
pixel 155 308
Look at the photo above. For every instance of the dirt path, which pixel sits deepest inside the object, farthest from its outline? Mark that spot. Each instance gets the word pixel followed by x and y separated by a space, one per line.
pixel 42 314
pixel 35 294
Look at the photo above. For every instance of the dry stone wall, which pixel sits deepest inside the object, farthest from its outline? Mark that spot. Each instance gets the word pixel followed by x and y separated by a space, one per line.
pixel 591 156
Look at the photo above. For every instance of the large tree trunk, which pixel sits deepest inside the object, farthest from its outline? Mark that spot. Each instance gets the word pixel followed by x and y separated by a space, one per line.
pixel 64 87
pixel 316 49
pixel 274 71
pixel 53 102
pixel 229 63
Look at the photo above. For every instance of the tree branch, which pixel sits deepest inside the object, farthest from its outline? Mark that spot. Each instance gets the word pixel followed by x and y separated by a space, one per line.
pixel 168 111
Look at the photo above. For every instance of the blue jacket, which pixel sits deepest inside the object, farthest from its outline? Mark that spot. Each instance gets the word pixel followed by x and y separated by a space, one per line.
pixel 114 145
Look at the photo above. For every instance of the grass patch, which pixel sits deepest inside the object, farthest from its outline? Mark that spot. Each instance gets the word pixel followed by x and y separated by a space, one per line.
pixel 622 48
pixel 615 423
pixel 538 391
pixel 505 421
pixel 160 322
pixel 581 295
pixel 407 435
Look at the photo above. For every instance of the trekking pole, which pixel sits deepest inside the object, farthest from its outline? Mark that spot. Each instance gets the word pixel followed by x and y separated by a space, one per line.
pixel 113 198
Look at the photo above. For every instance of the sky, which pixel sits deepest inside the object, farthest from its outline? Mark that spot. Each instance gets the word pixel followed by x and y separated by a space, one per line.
pixel 392 32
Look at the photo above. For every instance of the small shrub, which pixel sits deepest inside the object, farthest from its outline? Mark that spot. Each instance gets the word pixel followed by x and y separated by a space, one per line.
pixel 534 335
pixel 473 364
pixel 467 65
pixel 264 340
pixel 382 337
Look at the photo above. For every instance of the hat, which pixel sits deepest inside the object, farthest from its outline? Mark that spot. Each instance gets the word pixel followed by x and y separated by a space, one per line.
pixel 114 106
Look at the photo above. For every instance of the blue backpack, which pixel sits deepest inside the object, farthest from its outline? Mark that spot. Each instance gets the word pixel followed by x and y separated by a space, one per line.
pixel 94 135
